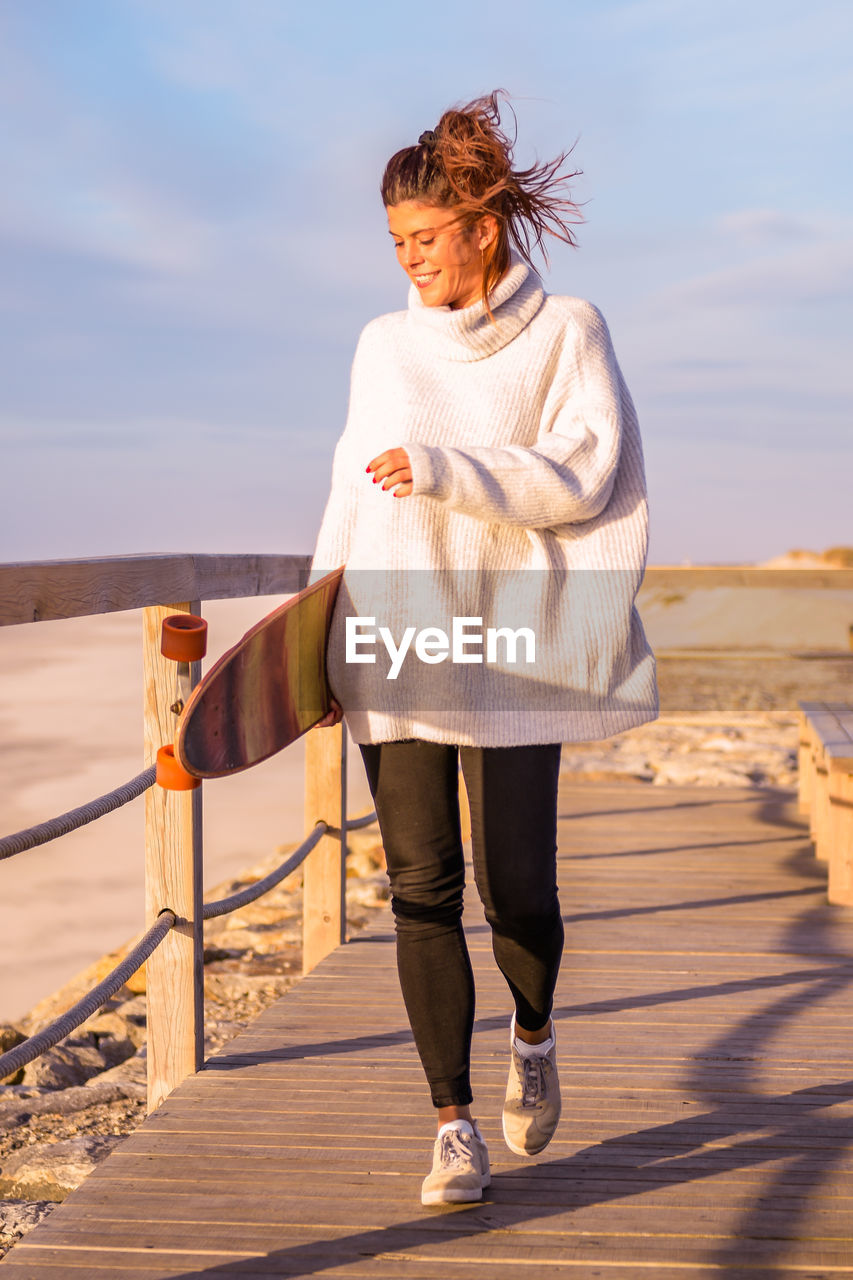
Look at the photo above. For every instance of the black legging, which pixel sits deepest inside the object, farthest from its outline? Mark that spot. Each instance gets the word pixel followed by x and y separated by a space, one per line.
pixel 513 798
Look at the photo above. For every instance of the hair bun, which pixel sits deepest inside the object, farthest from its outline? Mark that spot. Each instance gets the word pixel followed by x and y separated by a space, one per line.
pixel 427 138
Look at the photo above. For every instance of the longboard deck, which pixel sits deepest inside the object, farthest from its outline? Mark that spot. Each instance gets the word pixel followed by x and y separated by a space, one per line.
pixel 265 692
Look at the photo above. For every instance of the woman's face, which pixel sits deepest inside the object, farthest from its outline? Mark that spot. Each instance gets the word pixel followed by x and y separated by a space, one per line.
pixel 441 257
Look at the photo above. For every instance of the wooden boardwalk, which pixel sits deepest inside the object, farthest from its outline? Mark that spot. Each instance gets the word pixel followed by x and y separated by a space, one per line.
pixel 704 1040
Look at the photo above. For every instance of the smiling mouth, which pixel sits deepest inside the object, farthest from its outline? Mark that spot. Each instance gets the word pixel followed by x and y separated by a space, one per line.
pixel 423 281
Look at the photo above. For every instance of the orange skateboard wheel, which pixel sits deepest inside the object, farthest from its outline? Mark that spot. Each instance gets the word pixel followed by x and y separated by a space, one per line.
pixel 183 637
pixel 171 774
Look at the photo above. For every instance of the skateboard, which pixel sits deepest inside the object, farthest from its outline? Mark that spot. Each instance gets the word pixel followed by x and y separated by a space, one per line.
pixel 261 695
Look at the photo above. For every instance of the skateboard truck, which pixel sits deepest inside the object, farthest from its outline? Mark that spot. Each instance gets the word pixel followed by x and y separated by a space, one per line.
pixel 183 638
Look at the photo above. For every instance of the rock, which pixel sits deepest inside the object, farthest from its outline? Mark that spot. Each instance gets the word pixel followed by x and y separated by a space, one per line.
pixel 115 1051
pixel 218 1034
pixel 365 853
pixel 259 914
pixel 265 940
pixel 129 1075
pixel 17 1217
pixel 119 1025
pixel 50 1170
pixel 368 891
pixel 66 1102
pixel 65 1064
pixel 10 1037
pixel 133 1011
pixel 228 988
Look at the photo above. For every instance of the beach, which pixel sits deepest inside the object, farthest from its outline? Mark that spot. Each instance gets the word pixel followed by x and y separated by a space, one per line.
pixel 732 665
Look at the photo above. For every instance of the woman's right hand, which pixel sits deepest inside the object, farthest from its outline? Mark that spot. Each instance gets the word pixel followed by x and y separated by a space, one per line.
pixel 333 717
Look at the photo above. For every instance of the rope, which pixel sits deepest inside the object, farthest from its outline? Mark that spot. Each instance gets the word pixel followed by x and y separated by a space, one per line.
pixel 18 1057
pixel 32 836
pixel 39 1043
pixel 354 824
pixel 260 887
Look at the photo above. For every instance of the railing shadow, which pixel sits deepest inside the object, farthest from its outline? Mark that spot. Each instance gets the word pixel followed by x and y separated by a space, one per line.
pixel 778 1126
pixel 661 1156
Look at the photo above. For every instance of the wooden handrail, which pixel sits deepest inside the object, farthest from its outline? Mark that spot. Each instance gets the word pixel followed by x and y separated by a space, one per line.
pixel 160 584
pixel 43 590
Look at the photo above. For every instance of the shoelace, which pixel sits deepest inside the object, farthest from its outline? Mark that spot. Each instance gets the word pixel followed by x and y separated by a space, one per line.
pixel 533 1083
pixel 455 1149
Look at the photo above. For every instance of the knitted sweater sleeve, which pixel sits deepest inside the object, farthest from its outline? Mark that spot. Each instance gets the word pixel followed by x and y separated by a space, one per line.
pixel 567 475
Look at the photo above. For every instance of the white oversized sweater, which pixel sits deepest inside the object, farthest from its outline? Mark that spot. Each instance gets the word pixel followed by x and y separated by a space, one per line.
pixel 528 512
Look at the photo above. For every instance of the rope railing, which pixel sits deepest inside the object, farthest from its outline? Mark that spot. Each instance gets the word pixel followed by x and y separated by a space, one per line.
pixel 257 890
pixel 173 839
pixel 74 818
pixel 37 1044
pixel 242 899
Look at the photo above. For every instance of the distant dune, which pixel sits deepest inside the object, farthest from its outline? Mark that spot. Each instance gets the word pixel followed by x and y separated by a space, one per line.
pixel 834 558
pixel 775 618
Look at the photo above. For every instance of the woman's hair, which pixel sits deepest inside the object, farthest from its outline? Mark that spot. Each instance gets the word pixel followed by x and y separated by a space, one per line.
pixel 466 163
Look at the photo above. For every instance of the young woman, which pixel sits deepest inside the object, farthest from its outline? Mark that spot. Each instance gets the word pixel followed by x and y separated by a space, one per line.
pixel 488 500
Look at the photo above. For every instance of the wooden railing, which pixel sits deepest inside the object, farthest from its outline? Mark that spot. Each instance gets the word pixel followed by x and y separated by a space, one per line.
pixel 161 584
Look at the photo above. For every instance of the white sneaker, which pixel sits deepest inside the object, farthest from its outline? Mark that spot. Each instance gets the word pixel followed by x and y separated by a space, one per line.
pixel 460 1165
pixel 532 1106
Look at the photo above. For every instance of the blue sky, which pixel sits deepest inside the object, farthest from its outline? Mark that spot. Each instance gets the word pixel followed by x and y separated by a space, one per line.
pixel 191 238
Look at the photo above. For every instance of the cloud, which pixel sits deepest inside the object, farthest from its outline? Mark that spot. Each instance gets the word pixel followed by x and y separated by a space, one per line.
pixel 766 226
pixel 807 275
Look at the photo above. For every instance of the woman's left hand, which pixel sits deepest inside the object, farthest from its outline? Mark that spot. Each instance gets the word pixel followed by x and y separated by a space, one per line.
pixel 392 470
pixel 332 717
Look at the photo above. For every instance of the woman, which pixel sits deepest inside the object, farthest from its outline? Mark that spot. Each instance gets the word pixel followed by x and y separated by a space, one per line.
pixel 488 500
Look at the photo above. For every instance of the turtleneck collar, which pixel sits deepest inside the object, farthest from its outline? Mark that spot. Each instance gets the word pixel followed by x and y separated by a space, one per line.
pixel 469 334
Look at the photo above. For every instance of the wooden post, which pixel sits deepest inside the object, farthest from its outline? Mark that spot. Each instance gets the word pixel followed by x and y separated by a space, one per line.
pixel 324 917
pixel 840 891
pixel 805 765
pixel 819 815
pixel 173 878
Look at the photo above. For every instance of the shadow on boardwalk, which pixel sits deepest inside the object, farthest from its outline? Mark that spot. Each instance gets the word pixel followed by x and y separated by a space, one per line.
pixel 752 1130
pixel 634 1161
pixel 708 1123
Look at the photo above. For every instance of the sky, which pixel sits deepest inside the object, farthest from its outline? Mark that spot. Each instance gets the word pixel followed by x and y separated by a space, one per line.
pixel 191 238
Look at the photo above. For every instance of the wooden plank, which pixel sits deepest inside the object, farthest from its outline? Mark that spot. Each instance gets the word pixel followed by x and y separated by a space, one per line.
pixel 37 591
pixel 173 879
pixel 57 1264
